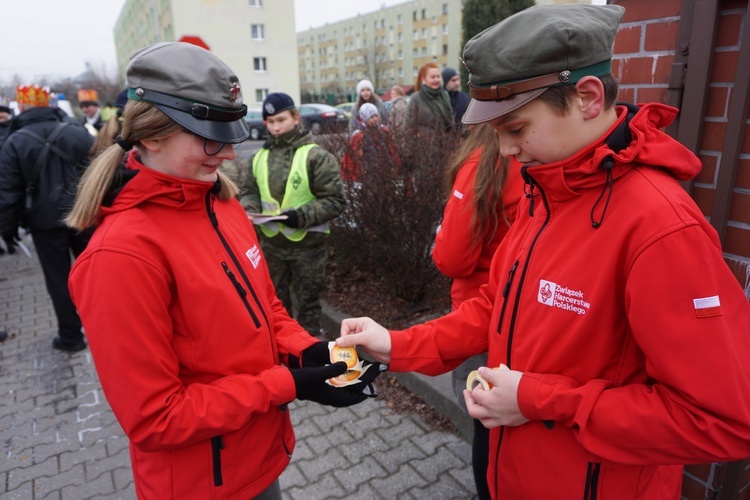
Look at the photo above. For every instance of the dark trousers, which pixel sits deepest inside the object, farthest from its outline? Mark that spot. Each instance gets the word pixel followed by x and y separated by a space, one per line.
pixel 480 457
pixel 55 248
pixel 299 276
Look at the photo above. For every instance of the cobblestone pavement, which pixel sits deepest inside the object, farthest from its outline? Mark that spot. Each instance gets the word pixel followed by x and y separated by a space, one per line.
pixel 61 441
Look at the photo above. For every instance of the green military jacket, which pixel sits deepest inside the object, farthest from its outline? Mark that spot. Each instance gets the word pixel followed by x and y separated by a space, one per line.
pixel 325 183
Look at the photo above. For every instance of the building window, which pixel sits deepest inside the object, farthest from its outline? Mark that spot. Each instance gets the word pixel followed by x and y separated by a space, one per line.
pixel 424 51
pixel 424 32
pixel 424 13
pixel 416 35
pixel 259 63
pixel 260 95
pixel 255 3
pixel 445 49
pixel 414 16
pixel 400 19
pixel 400 37
pixel 445 29
pixel 257 31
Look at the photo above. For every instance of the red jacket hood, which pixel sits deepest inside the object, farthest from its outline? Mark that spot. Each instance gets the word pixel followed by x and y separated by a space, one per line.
pixel 649 147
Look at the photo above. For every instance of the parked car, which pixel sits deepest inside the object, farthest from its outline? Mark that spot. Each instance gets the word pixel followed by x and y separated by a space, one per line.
pixel 254 120
pixel 322 118
pixel 347 108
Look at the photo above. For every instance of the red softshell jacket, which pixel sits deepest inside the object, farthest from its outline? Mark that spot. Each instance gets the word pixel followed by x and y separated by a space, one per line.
pixel 188 338
pixel 469 265
pixel 632 337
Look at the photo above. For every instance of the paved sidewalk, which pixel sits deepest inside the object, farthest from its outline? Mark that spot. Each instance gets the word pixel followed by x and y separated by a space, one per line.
pixel 61 441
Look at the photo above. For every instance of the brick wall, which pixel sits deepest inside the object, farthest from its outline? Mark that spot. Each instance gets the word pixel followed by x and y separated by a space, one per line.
pixel 645 48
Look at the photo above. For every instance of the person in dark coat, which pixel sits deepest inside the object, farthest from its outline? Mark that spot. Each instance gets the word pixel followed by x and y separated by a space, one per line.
pixel 5 117
pixel 40 200
pixel 459 100
pixel 92 116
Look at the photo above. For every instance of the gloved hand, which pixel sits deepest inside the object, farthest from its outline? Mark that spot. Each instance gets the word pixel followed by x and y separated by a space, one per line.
pixel 310 384
pixel 315 355
pixel 11 241
pixel 292 219
pixel 364 388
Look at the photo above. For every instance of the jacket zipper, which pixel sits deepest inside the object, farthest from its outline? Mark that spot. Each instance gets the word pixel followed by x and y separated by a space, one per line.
pixel 514 311
pixel 592 481
pixel 217 444
pixel 240 290
pixel 506 291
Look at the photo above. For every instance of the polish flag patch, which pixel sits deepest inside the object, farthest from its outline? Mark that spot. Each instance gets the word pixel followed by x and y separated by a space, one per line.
pixel 707 307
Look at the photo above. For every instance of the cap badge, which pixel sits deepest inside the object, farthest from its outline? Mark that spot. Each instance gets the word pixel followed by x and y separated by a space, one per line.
pixel 234 91
pixel 565 76
pixel 270 109
pixel 139 92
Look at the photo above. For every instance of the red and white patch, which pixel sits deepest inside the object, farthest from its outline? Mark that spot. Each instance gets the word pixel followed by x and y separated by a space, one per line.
pixel 707 307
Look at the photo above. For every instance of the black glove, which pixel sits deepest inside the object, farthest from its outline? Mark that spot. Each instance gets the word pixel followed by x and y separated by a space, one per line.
pixel 292 219
pixel 364 388
pixel 11 241
pixel 315 355
pixel 311 385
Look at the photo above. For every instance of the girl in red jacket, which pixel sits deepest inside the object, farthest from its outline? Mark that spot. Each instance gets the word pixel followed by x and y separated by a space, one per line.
pixel 197 356
pixel 482 202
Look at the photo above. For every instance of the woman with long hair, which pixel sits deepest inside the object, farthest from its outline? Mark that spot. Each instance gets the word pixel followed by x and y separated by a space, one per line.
pixel 429 106
pixel 197 356
pixel 483 194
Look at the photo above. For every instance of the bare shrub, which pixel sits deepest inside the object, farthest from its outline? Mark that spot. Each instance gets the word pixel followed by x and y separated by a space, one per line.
pixel 394 205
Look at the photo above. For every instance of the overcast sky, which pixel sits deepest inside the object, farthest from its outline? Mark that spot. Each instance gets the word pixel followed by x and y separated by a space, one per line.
pixel 56 38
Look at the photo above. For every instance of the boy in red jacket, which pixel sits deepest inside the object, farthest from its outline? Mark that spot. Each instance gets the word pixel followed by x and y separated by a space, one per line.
pixel 624 331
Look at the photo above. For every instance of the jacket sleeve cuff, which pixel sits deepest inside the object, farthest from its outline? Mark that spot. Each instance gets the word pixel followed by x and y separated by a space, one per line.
pixel 554 397
pixel 285 390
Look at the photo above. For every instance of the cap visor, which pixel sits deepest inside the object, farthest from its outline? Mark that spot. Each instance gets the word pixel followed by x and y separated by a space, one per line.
pixel 227 132
pixel 484 111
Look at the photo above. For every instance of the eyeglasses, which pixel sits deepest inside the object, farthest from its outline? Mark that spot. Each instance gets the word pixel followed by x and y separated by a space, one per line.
pixel 211 148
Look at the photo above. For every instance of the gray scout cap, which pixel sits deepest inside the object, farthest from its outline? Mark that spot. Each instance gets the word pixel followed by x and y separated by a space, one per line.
pixel 192 86
pixel 543 46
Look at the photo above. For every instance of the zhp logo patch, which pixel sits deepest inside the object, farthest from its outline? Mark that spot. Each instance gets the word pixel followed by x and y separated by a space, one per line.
pixel 547 291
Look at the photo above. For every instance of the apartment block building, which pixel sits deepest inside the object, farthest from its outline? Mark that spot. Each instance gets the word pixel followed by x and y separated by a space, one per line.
pixel 386 46
pixel 256 38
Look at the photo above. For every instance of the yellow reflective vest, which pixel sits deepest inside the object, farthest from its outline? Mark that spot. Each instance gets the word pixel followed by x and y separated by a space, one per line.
pixel 296 194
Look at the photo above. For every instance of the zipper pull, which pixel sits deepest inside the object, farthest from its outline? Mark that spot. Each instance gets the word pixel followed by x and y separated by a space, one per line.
pixel 506 288
pixel 234 281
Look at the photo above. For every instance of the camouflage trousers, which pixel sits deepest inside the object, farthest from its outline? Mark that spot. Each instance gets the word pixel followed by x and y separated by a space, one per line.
pixel 299 276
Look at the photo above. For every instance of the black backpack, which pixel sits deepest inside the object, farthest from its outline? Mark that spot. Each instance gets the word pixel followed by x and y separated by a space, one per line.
pixel 32 175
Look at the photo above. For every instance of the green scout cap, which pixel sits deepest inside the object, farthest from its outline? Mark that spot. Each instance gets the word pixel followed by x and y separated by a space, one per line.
pixel 191 86
pixel 543 46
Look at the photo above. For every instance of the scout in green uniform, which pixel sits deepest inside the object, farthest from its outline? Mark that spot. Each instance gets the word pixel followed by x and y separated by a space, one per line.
pixel 294 177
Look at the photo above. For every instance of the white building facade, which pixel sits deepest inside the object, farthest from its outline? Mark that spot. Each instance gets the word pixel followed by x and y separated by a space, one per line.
pixel 256 38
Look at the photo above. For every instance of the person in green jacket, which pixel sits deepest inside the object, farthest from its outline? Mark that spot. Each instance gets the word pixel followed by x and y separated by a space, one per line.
pixel 299 184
